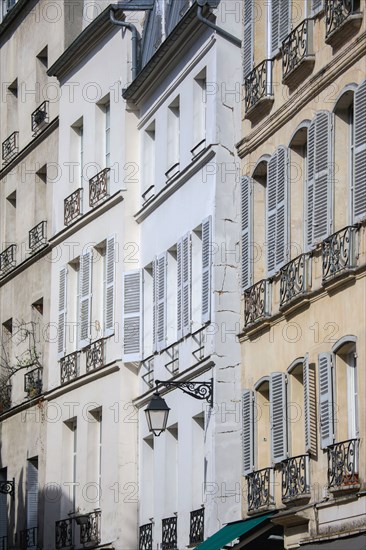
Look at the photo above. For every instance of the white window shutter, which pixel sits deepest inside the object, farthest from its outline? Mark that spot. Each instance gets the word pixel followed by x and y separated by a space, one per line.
pixel 326 400
pixel 248 431
pixel 109 286
pixel 310 170
pixel 85 296
pixel 155 309
pixel 359 194
pixel 132 315
pixel 285 20
pixel 32 495
pixel 179 290
pixel 206 269
pixel 278 411
pixel 271 214
pixel 62 313
pixel 246 232
pixel 186 284
pixel 281 206
pixel 275 25
pixel 307 403
pixel 160 299
pixel 323 175
pixel 248 50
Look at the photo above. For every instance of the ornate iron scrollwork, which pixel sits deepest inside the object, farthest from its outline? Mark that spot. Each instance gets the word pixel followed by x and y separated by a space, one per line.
pixel 7 487
pixel 169 533
pixel 260 489
pixel 295 48
pixel 90 532
pixel 336 12
pixel 95 355
pixel 10 147
pixel 258 84
pixel 63 534
pixel 256 302
pixel 197 523
pixel 8 260
pixel 37 236
pixel 293 279
pixel 73 206
pixel 339 252
pixel 69 367
pixel 145 538
pixel 295 477
pixel 198 390
pixel 33 382
pixel 343 464
pixel 98 187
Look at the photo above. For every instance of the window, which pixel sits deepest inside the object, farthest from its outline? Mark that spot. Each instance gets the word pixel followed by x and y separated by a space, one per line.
pixel 69 451
pixel 171 470
pixel 184 286
pixel 280 24
pixel 148 161
pixel 298 181
pixel 199 112
pixel 32 493
pixel 77 152
pixel 171 284
pixel 159 300
pixel 95 447
pixel 10 226
pixel 107 114
pixel 147 479
pixel 132 315
pixel 278 412
pixel 198 459
pixel 248 42
pixel 173 141
pixel 3 506
pixel 345 388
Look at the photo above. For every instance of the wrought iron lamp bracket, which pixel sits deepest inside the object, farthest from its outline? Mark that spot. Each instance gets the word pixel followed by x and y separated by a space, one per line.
pixel 7 487
pixel 198 390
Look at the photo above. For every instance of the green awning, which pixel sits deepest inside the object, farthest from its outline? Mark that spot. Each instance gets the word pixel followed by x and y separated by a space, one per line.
pixel 230 532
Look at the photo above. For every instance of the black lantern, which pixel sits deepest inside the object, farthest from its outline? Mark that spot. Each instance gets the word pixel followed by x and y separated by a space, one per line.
pixel 157 413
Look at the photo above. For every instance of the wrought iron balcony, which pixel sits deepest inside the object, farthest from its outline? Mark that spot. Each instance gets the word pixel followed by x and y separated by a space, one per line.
pixel 40 118
pixel 297 53
pixel 37 236
pixel 341 14
pixel 63 534
pixel 197 524
pixel 28 538
pixel 169 534
pixel 343 464
pixel 5 398
pixel 295 478
pixel 10 147
pixel 8 260
pixel 99 187
pixel 3 543
pixel 256 302
pixel 258 85
pixel 145 537
pixel 260 489
pixel 295 279
pixel 33 382
pixel 95 355
pixel 339 252
pixel 69 367
pixel 7 487
pixel 90 532
pixel 148 365
pixel 73 206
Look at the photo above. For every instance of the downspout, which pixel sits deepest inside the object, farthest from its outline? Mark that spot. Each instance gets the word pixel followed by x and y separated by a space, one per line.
pixel 134 39
pixel 219 30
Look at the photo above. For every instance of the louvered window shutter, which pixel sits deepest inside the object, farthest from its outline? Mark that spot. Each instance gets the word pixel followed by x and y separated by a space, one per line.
pixel 85 291
pixel 186 283
pixel 109 287
pixel 275 25
pixel 326 400
pixel 278 411
pixel 3 507
pixel 316 5
pixel 62 312
pixel 248 54
pixel 160 298
pixel 271 214
pixel 206 269
pixel 32 494
pixel 323 175
pixel 155 309
pixel 310 182
pixel 246 232
pixel 359 193
pixel 285 20
pixel 133 315
pixel 281 206
pixel 179 290
pixel 248 431
pixel 307 403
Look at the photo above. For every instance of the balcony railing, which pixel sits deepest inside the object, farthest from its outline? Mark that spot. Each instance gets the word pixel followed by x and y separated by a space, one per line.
pixel 343 464
pixel 260 489
pixel 172 363
pixel 90 532
pixel 69 367
pixel 169 534
pixel 295 279
pixel 148 365
pixel 256 302
pixel 258 84
pixel 95 355
pixel 28 538
pixel 8 260
pixel 297 48
pixel 295 478
pixel 197 524
pixel 337 12
pixel 3 543
pixel 10 147
pixel 145 538
pixel 63 534
pixel 7 487
pixel 40 118
pixel 339 252
pixel 73 206
pixel 33 382
pixel 37 236
pixel 98 187
pixel 5 398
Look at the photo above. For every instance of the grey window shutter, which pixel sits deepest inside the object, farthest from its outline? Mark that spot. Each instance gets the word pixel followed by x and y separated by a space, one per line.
pixel 310 183
pixel 179 290
pixel 155 309
pixel 62 313
pixel 206 269
pixel 326 400
pixel 160 300
pixel 248 50
pixel 285 20
pixel 246 232
pixel 278 412
pixel 271 214
pixel 281 206
pixel 186 284
pixel 307 403
pixel 86 262
pixel 275 25
pixel 248 431
pixel 316 5
pixel 32 494
pixel 323 175
pixel 133 315
pixel 359 194
pixel 109 286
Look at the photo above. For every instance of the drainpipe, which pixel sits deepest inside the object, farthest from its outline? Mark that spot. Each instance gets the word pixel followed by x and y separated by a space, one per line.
pixel 219 30
pixel 134 39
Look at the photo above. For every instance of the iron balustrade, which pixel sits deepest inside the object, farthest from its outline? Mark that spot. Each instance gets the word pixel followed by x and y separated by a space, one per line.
pixel 99 187
pixel 260 489
pixel 297 47
pixel 63 534
pixel 295 477
pixel 95 355
pixel 33 382
pixel 145 537
pixel 73 206
pixel 69 367
pixel 28 538
pixel 336 13
pixel 40 118
pixel 343 464
pixel 339 252
pixel 256 302
pixel 3 543
pixel 90 532
pixel 169 534
pixel 10 147
pixel 196 528
pixel 37 236
pixel 7 487
pixel 148 365
pixel 258 84
pixel 8 260
pixel 294 278
pixel 5 398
